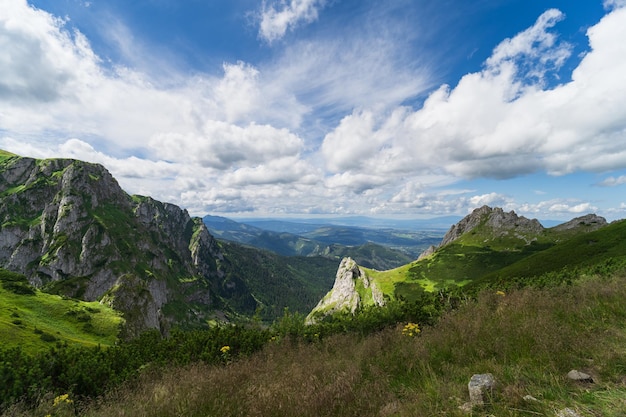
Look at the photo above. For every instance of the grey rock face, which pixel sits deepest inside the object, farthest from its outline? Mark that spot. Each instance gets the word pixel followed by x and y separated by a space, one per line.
pixel 67 225
pixel 494 218
pixel 344 295
pixel 590 222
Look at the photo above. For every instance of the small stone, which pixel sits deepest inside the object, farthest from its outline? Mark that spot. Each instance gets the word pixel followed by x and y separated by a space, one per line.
pixel 575 375
pixel 567 412
pixel 466 407
pixel 479 386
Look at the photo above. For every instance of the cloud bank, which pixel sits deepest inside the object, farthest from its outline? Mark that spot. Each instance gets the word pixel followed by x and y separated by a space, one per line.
pixel 258 138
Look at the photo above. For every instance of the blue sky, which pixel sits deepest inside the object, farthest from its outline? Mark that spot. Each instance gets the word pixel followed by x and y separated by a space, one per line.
pixel 404 108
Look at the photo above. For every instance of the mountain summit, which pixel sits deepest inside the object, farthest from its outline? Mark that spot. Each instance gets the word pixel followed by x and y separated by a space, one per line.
pixel 495 219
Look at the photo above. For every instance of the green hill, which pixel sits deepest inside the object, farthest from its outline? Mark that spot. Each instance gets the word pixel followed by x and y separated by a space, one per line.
pixel 487 248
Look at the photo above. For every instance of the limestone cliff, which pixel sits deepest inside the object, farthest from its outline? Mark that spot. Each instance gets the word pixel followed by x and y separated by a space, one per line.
pixel 69 227
pixel 351 290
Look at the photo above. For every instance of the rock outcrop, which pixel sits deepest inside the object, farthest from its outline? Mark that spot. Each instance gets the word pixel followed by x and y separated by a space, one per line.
pixel 590 222
pixel 69 227
pixel 496 219
pixel 345 295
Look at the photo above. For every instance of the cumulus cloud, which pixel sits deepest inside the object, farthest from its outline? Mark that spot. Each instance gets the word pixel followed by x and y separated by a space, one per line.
pixel 222 145
pixel 494 124
pixel 247 137
pixel 613 181
pixel 558 207
pixel 533 51
pixel 277 17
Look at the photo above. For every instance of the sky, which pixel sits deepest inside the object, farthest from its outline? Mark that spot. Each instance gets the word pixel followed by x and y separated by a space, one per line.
pixel 302 108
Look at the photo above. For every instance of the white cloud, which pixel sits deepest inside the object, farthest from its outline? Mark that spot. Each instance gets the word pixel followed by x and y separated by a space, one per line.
pixel 610 4
pixel 613 181
pixel 560 208
pixel 491 199
pixel 363 70
pixel 535 46
pixel 222 145
pixel 248 138
pixel 275 21
pixel 495 125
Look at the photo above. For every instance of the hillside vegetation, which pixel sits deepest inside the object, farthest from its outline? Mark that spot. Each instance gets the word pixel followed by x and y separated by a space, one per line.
pixel 529 339
pixel 373 248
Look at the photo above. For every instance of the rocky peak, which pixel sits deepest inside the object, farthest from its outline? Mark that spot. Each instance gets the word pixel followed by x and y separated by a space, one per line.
pixel 69 227
pixel 495 219
pixel 590 222
pixel 344 296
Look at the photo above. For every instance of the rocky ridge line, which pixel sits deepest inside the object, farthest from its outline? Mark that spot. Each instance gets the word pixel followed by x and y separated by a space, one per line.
pixel 68 226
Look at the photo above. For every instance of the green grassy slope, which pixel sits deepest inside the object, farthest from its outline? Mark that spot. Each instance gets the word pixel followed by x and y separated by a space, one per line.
pixel 35 320
pixel 604 246
pixel 481 258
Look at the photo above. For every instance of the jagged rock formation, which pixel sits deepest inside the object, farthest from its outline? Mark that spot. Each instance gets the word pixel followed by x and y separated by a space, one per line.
pixel 345 296
pixel 497 220
pixel 69 227
pixel 497 223
pixel 590 222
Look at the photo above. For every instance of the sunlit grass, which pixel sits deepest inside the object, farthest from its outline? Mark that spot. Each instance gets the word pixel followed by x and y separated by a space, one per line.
pixel 25 318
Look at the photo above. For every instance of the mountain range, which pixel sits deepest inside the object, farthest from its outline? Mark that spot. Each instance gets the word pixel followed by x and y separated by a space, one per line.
pixel 68 229
pixel 378 248
pixel 488 247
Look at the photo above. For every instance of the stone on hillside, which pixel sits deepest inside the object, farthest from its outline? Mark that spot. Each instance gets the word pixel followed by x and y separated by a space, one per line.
pixel 567 412
pixel 529 398
pixel 578 376
pixel 480 386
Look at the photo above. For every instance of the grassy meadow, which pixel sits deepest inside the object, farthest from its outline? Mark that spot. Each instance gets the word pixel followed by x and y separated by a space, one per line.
pixel 529 339
pixel 34 320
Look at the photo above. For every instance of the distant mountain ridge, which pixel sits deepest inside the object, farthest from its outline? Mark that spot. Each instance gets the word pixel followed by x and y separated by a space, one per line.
pixel 374 248
pixel 473 250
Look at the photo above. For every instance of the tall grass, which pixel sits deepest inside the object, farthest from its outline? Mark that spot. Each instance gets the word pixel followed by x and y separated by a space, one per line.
pixel 528 339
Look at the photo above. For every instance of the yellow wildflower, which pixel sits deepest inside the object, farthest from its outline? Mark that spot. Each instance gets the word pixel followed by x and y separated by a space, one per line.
pixel 411 329
pixel 65 398
pixel 225 349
